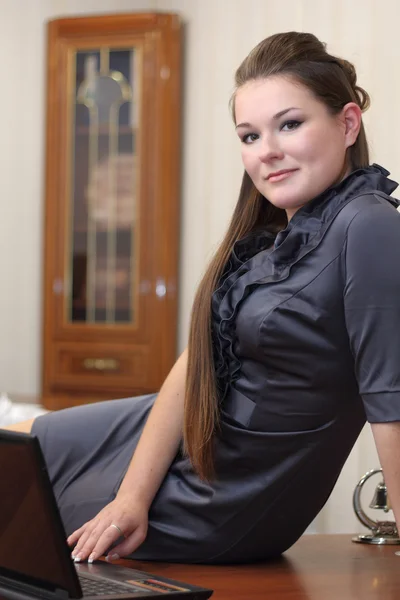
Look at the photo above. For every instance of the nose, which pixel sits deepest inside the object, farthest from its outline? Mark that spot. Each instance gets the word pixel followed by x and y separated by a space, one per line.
pixel 269 149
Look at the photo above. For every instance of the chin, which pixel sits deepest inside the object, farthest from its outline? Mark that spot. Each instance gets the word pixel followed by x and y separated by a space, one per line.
pixel 288 204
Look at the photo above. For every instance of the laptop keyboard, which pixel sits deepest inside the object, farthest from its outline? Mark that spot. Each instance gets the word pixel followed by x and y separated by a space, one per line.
pixel 96 587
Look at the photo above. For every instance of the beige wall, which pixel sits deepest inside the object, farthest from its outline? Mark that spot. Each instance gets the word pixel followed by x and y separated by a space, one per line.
pixel 218 35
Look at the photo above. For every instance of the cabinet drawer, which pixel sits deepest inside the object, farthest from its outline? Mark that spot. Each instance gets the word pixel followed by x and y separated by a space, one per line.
pixel 101 366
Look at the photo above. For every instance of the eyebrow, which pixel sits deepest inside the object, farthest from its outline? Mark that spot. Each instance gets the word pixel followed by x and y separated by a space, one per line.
pixel 277 116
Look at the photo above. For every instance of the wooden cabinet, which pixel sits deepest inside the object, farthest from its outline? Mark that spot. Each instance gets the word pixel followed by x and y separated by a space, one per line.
pixel 112 203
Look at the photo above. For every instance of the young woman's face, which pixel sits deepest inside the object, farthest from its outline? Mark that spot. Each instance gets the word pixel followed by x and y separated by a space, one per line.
pixel 293 148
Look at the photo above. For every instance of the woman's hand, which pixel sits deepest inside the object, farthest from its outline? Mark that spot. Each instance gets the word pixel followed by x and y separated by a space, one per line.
pixel 123 517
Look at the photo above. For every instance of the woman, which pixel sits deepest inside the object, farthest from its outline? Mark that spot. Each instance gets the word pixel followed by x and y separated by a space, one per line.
pixel 293 344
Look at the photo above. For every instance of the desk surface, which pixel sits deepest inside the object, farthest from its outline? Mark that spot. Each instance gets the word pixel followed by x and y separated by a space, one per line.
pixel 318 567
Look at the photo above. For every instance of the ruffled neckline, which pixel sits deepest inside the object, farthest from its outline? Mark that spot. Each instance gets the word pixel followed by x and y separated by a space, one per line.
pixel 263 257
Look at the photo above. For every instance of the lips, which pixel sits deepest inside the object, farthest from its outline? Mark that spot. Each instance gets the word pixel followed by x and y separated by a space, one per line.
pixel 279 175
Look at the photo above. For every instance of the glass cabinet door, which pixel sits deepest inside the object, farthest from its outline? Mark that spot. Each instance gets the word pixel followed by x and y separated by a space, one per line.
pixel 104 109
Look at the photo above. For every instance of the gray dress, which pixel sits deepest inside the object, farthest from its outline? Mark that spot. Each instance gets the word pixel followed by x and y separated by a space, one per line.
pixel 306 348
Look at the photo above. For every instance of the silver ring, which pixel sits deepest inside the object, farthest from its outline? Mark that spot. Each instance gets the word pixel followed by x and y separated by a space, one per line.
pixel 117 528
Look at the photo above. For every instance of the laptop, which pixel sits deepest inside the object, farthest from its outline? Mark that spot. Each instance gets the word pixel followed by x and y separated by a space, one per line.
pixel 35 559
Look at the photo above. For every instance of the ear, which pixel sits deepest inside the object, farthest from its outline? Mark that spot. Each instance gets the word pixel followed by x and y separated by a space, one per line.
pixel 351 117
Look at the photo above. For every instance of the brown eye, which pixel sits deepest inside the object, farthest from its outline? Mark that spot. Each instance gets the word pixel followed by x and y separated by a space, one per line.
pixel 290 125
pixel 249 138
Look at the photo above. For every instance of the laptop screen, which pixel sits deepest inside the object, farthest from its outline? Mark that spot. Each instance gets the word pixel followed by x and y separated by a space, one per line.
pixel 29 528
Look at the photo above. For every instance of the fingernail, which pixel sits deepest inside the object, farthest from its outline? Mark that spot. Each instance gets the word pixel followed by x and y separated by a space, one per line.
pixel 77 558
pixel 92 557
pixel 112 557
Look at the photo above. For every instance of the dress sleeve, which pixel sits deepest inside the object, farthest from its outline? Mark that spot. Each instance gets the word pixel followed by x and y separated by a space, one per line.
pixel 372 308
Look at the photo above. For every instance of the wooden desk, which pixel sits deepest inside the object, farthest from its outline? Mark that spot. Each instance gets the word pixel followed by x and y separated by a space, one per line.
pixel 318 567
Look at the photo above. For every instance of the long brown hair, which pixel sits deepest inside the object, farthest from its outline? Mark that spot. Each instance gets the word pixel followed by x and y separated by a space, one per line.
pixel 304 58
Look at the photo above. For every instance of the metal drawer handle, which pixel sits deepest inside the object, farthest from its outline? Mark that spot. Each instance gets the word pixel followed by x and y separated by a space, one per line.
pixel 100 364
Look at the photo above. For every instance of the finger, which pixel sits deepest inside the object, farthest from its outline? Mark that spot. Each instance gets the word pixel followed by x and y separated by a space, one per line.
pixel 87 541
pixel 81 542
pixel 74 537
pixel 99 543
pixel 129 545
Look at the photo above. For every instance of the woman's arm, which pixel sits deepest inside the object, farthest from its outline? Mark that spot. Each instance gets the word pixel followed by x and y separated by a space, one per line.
pixel 160 439
pixel 154 454
pixel 372 310
pixel 387 440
